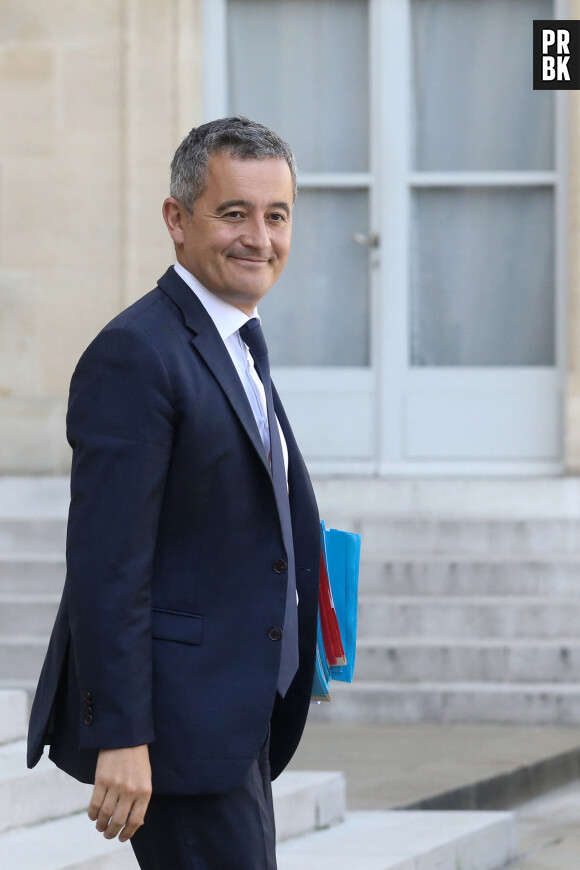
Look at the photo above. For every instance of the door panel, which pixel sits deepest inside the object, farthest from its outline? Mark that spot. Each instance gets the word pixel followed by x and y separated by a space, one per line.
pixel 475 108
pixel 318 313
pixel 301 68
pixel 480 382
pixel 507 424
pixel 482 277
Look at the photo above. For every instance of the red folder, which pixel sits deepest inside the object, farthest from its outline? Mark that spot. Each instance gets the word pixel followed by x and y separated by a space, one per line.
pixel 333 646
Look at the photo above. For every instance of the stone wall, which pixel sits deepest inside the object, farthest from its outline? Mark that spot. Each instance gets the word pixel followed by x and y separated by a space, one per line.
pixel 94 98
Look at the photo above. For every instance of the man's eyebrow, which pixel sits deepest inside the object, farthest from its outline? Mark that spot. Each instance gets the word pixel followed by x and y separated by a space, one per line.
pixel 283 205
pixel 236 203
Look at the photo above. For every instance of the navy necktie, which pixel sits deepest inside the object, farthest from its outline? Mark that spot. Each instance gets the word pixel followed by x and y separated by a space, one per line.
pixel 251 333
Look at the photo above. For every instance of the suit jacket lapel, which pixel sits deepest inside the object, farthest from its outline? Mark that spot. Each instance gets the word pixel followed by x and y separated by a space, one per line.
pixel 294 455
pixel 208 343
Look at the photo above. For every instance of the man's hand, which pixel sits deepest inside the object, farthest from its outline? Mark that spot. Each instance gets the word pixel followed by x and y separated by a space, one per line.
pixel 122 791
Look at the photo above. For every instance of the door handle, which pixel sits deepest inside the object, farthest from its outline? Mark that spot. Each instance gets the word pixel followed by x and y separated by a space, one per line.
pixel 371 241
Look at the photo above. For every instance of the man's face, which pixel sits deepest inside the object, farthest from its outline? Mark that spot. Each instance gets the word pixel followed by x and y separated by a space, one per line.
pixel 237 240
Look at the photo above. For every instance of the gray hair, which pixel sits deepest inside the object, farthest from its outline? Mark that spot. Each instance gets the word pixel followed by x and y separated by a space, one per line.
pixel 238 137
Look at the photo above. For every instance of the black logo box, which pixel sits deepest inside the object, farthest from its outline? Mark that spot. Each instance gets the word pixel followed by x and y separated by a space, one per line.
pixel 572 28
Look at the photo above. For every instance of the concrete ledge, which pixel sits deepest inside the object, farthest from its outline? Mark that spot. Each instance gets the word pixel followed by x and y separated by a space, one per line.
pixel 303 801
pixel 508 789
pixel 13 715
pixel 444 767
pixel 31 796
pixel 399 840
pixel 307 801
pixel 66 844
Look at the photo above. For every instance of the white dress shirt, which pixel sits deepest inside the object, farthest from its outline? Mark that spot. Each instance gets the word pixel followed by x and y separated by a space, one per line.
pixel 228 319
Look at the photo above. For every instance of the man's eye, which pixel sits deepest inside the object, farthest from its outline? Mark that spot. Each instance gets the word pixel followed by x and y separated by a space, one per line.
pixel 277 218
pixel 233 214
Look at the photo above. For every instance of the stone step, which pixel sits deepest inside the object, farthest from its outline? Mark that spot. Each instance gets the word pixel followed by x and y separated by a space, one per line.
pixel 407 840
pixel 535 536
pixel 27 686
pixel 303 801
pixel 33 497
pixel 32 572
pixel 28 797
pixel 469 616
pixel 459 496
pixel 386 572
pixel 418 534
pixel 538 704
pixel 65 844
pixel 28 614
pixel 394 574
pixel 411 659
pixel 475 496
pixel 464 574
pixel 21 656
pixel 13 714
pixel 45 535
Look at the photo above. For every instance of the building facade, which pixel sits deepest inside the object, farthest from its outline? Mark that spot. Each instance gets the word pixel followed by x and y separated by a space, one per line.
pixel 428 320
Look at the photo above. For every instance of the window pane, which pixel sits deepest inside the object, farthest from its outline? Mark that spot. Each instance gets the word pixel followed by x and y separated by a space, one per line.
pixel 474 103
pixel 482 277
pixel 317 314
pixel 301 68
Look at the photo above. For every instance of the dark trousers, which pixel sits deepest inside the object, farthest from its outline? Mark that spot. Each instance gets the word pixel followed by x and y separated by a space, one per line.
pixel 231 831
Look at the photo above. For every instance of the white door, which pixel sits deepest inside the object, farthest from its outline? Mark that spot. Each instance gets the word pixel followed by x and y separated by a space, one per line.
pixel 415 127
pixel 472 333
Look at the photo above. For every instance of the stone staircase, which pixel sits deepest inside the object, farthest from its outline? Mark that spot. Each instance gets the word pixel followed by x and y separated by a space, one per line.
pixel 32 571
pixel 43 823
pixel 469 594
pixel 44 826
pixel 469 605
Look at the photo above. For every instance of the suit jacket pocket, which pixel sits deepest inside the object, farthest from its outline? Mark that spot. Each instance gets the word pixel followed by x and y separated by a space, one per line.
pixel 176 626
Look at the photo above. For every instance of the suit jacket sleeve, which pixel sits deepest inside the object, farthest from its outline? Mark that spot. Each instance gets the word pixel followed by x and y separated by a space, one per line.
pixel 120 426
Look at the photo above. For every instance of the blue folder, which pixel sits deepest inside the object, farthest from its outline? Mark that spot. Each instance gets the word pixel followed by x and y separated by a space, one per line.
pixel 342 556
pixel 321 684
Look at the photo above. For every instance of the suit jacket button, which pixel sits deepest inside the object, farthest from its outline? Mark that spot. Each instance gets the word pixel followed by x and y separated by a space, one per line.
pixel 86 696
pixel 89 719
pixel 279 566
pixel 275 633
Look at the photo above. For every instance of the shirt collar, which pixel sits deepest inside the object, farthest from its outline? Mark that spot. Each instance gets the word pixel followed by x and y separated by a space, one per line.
pixel 227 318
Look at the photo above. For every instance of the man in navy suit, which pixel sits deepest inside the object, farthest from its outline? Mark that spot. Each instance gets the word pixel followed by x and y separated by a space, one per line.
pixel 179 671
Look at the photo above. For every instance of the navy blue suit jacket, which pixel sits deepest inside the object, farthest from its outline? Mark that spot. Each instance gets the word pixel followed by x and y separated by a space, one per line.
pixel 173 548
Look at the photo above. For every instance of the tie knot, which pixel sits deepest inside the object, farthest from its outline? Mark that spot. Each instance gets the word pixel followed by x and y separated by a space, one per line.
pixel 251 333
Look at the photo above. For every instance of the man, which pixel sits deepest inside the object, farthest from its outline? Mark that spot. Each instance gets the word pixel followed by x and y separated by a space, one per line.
pixel 182 657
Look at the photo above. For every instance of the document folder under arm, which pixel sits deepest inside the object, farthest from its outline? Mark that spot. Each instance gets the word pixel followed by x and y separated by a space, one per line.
pixel 338 600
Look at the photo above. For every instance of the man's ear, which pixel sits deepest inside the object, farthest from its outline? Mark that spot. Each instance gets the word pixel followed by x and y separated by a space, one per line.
pixel 174 216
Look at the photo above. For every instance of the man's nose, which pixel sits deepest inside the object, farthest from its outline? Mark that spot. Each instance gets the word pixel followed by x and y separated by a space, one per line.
pixel 256 234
